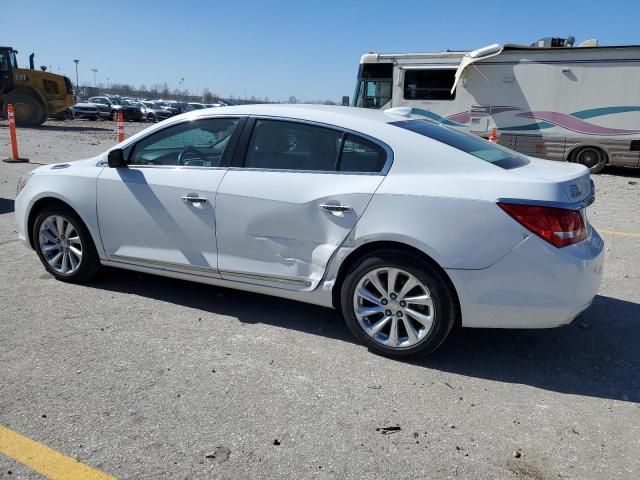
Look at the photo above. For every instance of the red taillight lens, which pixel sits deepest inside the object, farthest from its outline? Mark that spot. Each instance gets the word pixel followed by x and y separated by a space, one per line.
pixel 558 226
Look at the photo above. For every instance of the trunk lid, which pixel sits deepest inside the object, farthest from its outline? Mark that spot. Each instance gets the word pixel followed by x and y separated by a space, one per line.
pixel 572 179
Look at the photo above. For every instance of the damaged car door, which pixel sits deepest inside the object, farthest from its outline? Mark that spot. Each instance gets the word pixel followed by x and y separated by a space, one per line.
pixel 293 194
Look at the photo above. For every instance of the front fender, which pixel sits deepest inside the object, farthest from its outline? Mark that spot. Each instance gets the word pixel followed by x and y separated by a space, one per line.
pixel 80 196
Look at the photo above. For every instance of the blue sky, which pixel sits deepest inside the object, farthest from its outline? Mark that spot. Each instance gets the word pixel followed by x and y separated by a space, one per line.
pixel 282 48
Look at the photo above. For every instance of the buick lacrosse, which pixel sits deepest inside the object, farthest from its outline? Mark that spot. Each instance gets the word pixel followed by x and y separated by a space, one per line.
pixel 407 226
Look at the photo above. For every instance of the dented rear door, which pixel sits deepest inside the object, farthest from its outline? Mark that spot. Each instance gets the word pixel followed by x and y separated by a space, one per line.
pixel 279 226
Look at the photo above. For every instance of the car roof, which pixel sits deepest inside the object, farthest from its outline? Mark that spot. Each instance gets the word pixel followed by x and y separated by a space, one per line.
pixel 346 117
pixel 374 123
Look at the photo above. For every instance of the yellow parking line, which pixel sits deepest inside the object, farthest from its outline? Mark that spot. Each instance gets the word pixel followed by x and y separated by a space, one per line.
pixel 621 234
pixel 53 465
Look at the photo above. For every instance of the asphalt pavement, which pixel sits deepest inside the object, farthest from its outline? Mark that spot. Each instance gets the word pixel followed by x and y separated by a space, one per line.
pixel 143 377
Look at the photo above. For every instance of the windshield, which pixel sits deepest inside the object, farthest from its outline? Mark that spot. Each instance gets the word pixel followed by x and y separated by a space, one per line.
pixel 467 142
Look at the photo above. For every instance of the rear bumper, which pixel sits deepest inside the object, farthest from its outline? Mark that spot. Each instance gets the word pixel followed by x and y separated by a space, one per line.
pixel 535 286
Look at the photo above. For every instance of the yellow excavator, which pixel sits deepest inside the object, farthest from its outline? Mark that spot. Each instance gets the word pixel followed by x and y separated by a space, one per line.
pixel 34 94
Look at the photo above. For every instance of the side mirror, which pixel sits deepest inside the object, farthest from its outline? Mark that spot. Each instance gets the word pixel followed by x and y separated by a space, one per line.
pixel 116 159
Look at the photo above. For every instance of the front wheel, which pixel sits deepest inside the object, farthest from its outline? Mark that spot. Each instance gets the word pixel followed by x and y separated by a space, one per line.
pixel 64 245
pixel 398 305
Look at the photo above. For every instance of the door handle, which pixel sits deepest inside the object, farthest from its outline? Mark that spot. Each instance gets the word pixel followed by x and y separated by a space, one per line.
pixel 194 199
pixel 336 208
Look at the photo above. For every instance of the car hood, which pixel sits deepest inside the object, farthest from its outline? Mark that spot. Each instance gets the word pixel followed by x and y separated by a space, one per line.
pixel 66 167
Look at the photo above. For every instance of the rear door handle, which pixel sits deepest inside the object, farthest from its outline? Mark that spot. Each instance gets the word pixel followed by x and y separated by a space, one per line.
pixel 336 208
pixel 194 199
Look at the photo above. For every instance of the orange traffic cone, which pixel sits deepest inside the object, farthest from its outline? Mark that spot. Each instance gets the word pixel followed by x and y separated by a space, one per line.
pixel 493 136
pixel 15 157
pixel 120 123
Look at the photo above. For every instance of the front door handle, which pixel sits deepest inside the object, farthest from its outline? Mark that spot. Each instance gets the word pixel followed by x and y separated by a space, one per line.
pixel 194 199
pixel 336 208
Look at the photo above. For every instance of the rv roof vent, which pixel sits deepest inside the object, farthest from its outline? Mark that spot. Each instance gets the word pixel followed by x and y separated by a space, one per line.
pixel 488 50
pixel 592 42
pixel 554 42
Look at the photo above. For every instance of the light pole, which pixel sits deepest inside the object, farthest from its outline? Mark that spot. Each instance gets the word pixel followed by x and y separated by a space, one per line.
pixel 94 70
pixel 77 82
pixel 181 83
pixel 107 84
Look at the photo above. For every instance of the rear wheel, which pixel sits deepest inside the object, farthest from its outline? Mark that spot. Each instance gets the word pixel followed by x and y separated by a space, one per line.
pixel 64 245
pixel 594 158
pixel 28 111
pixel 398 305
pixel 151 118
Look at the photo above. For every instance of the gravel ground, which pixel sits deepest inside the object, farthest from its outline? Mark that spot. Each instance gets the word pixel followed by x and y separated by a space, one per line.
pixel 152 378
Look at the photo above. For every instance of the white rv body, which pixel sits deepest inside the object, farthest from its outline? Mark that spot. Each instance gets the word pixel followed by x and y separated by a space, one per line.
pixel 545 102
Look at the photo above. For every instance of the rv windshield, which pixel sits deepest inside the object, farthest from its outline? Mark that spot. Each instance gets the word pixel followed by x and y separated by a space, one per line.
pixel 467 142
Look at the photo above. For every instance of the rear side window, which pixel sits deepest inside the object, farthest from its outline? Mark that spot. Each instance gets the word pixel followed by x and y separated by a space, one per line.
pixel 467 142
pixel 361 155
pixel 292 146
pixel 284 145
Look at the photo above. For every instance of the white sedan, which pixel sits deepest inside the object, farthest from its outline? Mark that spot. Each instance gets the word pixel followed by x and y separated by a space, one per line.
pixel 409 227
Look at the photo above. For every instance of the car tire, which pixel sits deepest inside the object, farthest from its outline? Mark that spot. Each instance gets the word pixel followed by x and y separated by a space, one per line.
pixel 48 244
pixel 151 118
pixel 438 302
pixel 594 158
pixel 114 115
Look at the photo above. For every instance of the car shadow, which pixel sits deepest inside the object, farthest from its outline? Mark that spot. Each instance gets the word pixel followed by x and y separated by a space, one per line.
pixel 622 171
pixel 6 205
pixel 598 355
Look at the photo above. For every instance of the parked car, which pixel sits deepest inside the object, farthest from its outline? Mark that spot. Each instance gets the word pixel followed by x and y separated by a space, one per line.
pixel 197 106
pixel 408 226
pixel 155 113
pixel 85 110
pixel 178 107
pixel 109 107
pixel 65 114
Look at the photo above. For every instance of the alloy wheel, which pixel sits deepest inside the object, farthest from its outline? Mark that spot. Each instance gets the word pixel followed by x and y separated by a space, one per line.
pixel 60 244
pixel 394 307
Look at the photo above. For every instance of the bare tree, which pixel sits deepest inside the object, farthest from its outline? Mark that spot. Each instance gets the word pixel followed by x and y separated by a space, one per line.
pixel 207 96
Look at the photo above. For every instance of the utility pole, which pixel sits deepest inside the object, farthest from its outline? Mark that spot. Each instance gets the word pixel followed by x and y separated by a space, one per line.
pixel 94 70
pixel 77 82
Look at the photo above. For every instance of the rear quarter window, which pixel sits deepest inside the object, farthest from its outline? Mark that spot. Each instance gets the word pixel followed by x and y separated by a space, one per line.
pixel 467 142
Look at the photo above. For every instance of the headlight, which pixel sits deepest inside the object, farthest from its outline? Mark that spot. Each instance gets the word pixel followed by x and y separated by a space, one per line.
pixel 23 182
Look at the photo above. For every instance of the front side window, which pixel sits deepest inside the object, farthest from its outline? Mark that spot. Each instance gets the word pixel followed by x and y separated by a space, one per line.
pixel 292 146
pixel 199 143
pixel 373 93
pixel 467 142
pixel 430 84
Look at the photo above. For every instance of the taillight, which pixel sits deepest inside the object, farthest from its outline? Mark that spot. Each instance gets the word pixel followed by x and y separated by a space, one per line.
pixel 558 226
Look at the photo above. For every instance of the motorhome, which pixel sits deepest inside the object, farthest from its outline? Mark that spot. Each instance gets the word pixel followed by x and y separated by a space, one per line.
pixel 548 100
